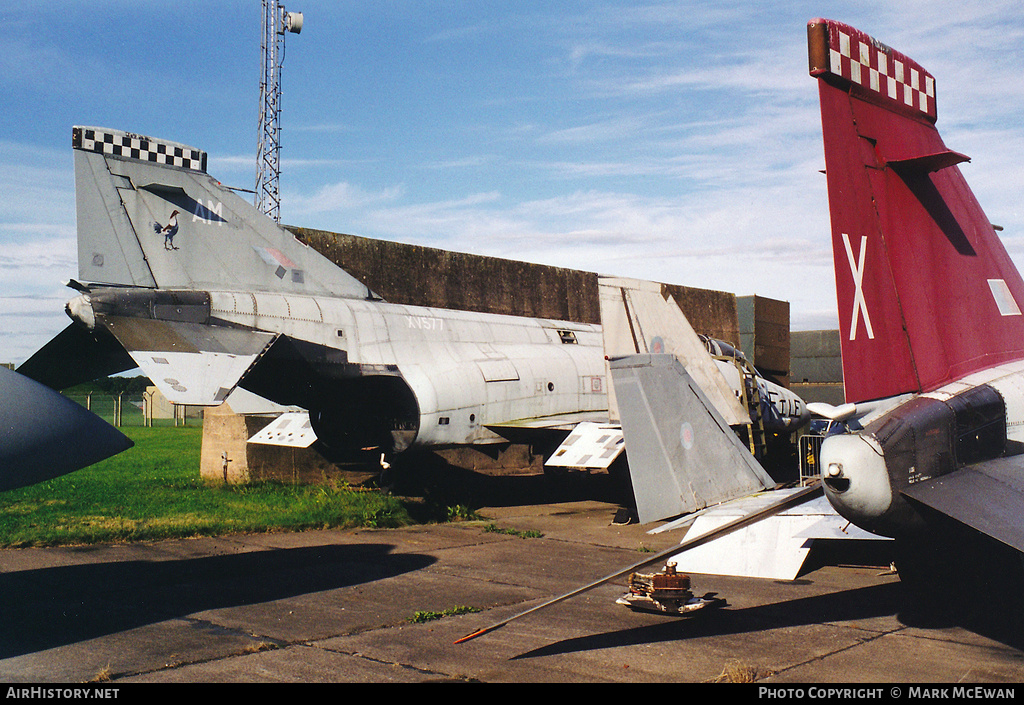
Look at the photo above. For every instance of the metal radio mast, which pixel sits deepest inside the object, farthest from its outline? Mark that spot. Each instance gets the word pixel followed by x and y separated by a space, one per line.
pixel 276 21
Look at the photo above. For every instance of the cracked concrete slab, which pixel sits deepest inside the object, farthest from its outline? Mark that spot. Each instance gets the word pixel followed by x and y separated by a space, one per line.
pixel 335 606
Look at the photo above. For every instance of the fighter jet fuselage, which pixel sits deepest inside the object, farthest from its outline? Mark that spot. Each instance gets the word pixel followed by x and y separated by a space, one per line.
pixel 369 372
pixel 205 293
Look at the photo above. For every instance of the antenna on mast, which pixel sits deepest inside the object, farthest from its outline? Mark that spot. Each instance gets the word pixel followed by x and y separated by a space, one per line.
pixel 276 22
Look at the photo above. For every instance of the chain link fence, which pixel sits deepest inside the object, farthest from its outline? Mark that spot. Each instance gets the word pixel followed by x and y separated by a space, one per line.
pixel 146 409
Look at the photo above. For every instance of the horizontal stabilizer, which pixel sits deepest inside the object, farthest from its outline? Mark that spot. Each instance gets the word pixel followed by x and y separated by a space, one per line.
pixel 76 355
pixel 589 446
pixel 190 363
pixel 291 430
pixel 988 497
pixel 774 548
pixel 44 435
pixel 682 454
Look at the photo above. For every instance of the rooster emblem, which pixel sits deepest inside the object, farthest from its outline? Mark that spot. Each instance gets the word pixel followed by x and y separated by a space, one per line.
pixel 168 231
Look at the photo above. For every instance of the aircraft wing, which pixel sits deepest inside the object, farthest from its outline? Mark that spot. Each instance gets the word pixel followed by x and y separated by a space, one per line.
pixel 987 496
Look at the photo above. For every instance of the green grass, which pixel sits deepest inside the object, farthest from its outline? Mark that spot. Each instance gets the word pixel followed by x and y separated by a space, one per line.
pixel 419 617
pixel 154 491
pixel 523 534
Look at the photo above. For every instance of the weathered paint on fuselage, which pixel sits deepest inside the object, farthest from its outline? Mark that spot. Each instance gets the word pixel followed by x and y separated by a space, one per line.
pixel 466 370
pixel 920 438
pixel 374 374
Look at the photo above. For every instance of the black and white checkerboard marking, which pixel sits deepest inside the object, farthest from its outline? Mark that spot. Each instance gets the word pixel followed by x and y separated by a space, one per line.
pixel 131 146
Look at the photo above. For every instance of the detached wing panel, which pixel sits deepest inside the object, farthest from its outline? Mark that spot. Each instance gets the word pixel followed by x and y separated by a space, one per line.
pixel 190 363
pixel 988 497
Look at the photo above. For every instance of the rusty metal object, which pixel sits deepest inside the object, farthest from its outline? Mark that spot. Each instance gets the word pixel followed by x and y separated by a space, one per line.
pixel 667 591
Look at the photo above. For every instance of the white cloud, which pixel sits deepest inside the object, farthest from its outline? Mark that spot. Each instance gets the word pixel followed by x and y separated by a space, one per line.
pixel 674 140
pixel 340 197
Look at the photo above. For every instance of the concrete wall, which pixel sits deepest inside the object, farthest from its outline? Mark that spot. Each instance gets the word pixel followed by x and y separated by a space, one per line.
pixel 817 366
pixel 426 276
pixel 764 335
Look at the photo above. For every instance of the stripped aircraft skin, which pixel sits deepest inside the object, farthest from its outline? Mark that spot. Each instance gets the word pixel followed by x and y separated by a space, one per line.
pixel 929 310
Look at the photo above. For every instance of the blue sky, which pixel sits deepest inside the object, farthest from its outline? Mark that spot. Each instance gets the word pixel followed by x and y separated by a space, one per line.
pixel 673 141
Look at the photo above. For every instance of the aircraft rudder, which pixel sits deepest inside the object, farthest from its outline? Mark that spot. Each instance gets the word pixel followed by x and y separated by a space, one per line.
pixel 913 251
pixel 870 70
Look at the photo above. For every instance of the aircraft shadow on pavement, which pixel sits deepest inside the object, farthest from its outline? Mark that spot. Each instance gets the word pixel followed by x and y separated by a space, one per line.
pixel 862 603
pixel 427 474
pixel 846 606
pixel 445 484
pixel 50 607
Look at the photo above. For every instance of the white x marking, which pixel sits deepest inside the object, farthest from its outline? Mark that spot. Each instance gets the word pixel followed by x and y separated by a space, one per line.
pixel 857 270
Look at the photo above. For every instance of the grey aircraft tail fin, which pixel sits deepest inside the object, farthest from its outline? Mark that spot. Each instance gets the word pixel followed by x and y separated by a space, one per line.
pixel 150 216
pixel 683 456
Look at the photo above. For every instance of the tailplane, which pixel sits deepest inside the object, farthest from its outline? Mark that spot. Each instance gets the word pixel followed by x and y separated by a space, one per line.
pixel 925 288
pixel 150 216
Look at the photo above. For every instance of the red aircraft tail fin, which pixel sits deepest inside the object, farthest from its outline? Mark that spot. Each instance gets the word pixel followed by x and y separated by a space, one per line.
pixel 925 288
